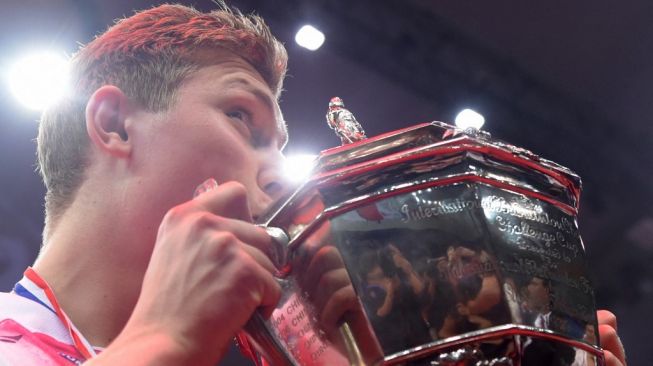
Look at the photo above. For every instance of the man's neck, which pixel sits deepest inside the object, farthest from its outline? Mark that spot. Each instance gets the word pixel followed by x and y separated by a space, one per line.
pixel 95 285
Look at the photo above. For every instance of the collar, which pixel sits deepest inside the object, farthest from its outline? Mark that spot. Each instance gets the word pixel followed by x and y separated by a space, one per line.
pixel 34 288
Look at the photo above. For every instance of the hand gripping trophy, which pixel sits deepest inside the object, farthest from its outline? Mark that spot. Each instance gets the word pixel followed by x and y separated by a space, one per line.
pixel 343 122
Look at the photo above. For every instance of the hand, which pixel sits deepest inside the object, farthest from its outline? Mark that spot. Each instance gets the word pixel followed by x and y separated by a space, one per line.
pixel 326 282
pixel 416 283
pixel 399 260
pixel 330 289
pixel 615 355
pixel 328 285
pixel 207 275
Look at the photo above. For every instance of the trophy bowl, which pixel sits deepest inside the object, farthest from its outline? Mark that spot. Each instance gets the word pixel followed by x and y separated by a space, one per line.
pixel 430 245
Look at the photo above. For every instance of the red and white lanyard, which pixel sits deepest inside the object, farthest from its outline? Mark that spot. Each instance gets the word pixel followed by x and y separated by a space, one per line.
pixel 42 291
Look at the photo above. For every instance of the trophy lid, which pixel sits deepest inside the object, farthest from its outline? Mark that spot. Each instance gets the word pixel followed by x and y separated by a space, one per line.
pixel 435 144
pixel 437 138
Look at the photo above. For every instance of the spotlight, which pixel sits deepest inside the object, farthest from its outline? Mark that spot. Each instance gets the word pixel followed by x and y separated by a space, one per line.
pixel 468 118
pixel 298 166
pixel 309 37
pixel 39 79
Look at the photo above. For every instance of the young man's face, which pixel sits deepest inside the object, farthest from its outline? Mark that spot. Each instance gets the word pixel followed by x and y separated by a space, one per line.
pixel 225 124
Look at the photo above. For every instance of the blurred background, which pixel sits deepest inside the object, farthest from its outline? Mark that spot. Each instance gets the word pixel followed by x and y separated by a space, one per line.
pixel 571 81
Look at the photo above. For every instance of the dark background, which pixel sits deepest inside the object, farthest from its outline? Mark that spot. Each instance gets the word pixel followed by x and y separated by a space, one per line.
pixel 569 80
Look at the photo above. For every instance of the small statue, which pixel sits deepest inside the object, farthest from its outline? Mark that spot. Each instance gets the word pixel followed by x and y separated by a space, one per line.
pixel 343 122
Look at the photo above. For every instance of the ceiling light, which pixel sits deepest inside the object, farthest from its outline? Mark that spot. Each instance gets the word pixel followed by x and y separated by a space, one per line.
pixel 468 118
pixel 39 79
pixel 309 37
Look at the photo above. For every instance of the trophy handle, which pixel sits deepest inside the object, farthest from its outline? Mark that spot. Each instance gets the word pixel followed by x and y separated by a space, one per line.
pixel 258 341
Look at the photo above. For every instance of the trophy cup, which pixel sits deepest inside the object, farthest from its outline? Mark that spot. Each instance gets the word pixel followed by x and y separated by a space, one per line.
pixel 429 245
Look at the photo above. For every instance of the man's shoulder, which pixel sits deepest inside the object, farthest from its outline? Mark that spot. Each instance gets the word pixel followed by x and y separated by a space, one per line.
pixel 32 315
pixel 10 302
pixel 31 334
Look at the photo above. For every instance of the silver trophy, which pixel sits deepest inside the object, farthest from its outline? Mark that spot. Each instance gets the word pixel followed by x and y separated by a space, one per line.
pixel 432 246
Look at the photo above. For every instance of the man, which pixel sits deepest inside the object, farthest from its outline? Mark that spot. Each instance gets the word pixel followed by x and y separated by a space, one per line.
pixel 391 291
pixel 167 102
pixel 163 101
pixel 539 312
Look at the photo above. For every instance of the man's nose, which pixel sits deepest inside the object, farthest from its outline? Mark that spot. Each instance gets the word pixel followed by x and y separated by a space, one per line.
pixel 270 178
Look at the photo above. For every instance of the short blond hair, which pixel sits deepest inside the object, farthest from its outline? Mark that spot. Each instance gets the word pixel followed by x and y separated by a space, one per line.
pixel 147 55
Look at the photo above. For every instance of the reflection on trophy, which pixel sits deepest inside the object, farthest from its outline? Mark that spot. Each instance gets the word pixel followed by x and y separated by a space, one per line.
pixel 430 246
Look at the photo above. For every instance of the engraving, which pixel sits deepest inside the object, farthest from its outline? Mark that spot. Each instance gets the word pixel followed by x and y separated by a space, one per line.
pixel 293 306
pixel 295 325
pixel 521 220
pixel 304 330
pixel 525 229
pixel 318 352
pixel 436 208
pixel 468 270
pixel 524 209
pixel 278 320
pixel 298 318
pixel 310 341
pixel 531 268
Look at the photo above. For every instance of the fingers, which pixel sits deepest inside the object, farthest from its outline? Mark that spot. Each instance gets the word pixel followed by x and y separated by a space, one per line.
pixel 339 303
pixel 256 240
pixel 229 199
pixel 608 318
pixel 227 211
pixel 610 342
pixel 208 271
pixel 242 265
pixel 330 283
pixel 609 338
pixel 327 258
pixel 611 359
pixel 206 186
pixel 260 257
pixel 270 293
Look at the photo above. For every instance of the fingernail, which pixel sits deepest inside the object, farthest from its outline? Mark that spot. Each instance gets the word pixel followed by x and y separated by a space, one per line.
pixel 208 185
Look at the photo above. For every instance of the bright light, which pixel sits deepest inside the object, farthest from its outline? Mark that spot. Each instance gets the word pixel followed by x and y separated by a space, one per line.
pixel 309 37
pixel 39 79
pixel 298 166
pixel 468 118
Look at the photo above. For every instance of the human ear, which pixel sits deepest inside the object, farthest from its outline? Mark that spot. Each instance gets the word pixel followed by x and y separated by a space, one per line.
pixel 106 121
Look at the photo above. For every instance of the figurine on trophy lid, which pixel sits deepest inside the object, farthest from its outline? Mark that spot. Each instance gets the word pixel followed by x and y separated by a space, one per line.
pixel 343 122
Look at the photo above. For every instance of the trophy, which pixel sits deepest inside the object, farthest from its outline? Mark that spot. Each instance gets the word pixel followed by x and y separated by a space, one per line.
pixel 430 245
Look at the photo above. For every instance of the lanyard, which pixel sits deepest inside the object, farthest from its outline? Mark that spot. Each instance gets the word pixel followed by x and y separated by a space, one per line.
pixel 35 288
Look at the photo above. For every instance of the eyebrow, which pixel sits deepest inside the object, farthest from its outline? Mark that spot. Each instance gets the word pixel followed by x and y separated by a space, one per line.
pixel 264 98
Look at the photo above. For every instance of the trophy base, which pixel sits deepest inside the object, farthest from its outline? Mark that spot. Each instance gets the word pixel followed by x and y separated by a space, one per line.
pixel 510 345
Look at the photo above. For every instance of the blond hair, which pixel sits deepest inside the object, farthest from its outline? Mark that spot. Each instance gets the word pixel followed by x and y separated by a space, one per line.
pixel 147 56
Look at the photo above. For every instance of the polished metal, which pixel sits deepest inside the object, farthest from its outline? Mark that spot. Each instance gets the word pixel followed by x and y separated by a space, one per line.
pixel 431 246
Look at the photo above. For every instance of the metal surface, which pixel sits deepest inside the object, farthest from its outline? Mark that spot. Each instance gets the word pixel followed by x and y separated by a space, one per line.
pixel 429 246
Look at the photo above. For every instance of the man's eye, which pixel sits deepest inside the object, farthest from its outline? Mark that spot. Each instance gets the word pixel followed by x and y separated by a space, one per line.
pixel 238 114
pixel 248 129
